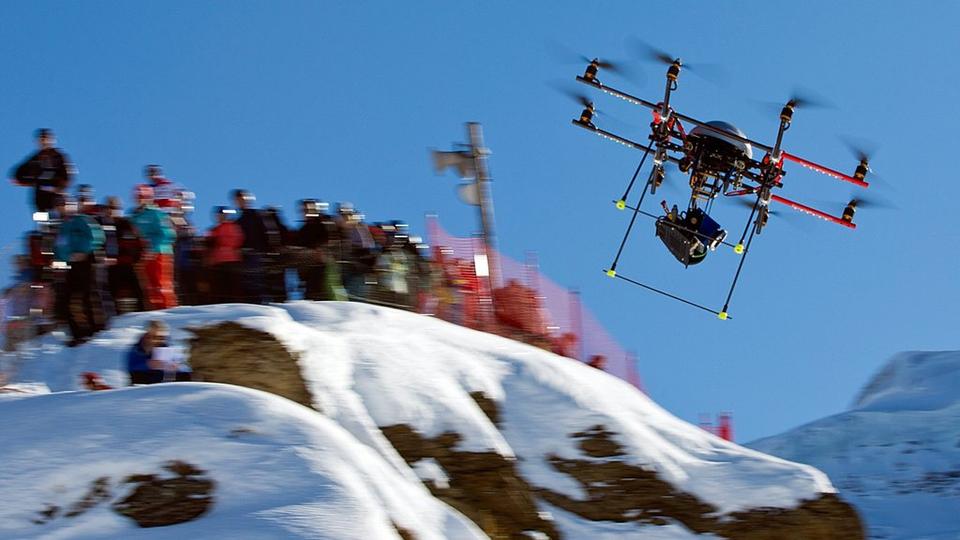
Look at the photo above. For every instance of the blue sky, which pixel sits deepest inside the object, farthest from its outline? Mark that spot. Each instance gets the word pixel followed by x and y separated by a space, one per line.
pixel 340 100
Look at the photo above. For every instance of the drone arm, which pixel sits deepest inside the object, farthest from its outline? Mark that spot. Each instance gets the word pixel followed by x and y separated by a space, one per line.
pixel 813 211
pixel 622 140
pixel 796 206
pixel 656 107
pixel 617 93
pixel 824 170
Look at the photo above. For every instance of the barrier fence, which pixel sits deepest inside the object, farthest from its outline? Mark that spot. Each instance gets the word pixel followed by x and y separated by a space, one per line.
pixel 524 304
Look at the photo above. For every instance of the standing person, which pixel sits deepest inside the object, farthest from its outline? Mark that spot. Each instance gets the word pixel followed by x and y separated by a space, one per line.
pixel 156 262
pixel 224 257
pixel 167 195
pixel 185 269
pixel 255 244
pixel 79 241
pixel 49 171
pixel 357 250
pixel 312 238
pixel 124 247
pixel 274 259
pixel 143 363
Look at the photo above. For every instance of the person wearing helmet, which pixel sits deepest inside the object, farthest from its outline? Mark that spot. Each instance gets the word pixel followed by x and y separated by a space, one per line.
pixel 157 231
pixel 49 171
pixel 167 195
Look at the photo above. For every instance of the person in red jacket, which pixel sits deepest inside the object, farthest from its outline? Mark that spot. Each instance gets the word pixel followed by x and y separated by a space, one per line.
pixel 224 257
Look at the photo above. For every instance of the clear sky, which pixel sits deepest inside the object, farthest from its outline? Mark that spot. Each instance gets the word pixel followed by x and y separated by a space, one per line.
pixel 340 100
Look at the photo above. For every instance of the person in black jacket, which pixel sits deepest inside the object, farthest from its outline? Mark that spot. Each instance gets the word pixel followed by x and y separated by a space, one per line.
pixel 255 245
pixel 312 238
pixel 49 171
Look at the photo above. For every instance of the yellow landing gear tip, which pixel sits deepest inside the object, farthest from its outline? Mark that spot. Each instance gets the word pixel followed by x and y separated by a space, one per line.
pixel 738 249
pixel 722 315
pixel 612 273
pixel 621 204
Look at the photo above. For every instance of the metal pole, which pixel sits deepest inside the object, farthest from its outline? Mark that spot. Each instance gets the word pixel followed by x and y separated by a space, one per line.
pixel 475 133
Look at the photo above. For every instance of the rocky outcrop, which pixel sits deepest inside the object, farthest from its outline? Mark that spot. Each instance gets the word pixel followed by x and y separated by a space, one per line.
pixel 234 354
pixel 485 486
pixel 623 492
pixel 184 494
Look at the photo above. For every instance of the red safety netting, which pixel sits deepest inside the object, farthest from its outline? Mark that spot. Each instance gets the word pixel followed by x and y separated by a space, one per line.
pixel 526 305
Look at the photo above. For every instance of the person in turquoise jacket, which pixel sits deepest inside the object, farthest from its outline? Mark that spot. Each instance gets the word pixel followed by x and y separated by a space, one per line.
pixel 79 243
pixel 155 227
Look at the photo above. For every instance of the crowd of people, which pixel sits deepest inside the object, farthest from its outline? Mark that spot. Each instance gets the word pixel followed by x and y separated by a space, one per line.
pixel 88 261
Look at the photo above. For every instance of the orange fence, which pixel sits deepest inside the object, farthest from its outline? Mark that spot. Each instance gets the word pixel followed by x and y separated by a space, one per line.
pixel 523 304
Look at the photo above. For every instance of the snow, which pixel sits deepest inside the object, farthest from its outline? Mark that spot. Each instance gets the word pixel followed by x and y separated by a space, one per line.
pixel 896 454
pixel 368 367
pixel 281 470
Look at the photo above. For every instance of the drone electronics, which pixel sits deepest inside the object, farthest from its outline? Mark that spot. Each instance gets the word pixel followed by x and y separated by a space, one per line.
pixel 720 160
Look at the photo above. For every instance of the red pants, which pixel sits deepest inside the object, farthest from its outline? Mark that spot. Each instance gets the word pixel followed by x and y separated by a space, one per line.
pixel 158 274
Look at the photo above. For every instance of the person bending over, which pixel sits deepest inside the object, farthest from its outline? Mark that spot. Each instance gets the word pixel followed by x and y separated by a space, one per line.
pixel 147 363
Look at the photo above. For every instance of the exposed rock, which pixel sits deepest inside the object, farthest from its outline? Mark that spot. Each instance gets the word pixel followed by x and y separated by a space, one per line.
pixel 234 354
pixel 45 515
pixel 618 491
pixel 156 502
pixel 488 406
pixel 99 491
pixel 484 486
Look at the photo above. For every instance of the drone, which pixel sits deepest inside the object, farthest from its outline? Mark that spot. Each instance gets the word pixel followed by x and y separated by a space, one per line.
pixel 719 160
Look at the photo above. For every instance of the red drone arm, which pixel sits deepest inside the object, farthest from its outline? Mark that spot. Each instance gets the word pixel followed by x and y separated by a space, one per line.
pixel 825 170
pixel 813 211
pixel 797 206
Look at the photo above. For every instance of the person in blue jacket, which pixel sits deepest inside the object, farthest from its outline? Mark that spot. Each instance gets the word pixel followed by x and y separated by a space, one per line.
pixel 156 263
pixel 79 243
pixel 142 364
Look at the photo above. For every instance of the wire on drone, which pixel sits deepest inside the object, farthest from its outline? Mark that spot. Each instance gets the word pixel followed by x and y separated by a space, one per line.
pixel 720 314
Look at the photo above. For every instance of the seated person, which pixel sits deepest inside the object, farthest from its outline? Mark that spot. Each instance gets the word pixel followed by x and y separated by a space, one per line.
pixel 145 360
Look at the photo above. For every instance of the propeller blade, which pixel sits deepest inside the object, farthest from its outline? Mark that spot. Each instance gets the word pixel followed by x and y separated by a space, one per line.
pixel 574 94
pixel 566 55
pixel 645 51
pixel 873 202
pixel 642 50
pixel 807 99
pixel 748 201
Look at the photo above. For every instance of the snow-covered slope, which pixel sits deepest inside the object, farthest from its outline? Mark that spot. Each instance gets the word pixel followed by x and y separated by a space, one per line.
pixel 367 368
pixel 281 470
pixel 896 453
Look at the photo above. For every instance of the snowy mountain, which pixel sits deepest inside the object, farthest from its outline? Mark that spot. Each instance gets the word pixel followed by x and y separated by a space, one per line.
pixel 896 453
pixel 406 427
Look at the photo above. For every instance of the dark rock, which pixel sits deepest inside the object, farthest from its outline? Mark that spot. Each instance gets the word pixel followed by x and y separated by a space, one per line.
pixel 156 502
pixel 234 354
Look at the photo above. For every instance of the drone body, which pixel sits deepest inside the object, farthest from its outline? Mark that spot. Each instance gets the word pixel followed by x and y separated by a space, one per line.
pixel 719 160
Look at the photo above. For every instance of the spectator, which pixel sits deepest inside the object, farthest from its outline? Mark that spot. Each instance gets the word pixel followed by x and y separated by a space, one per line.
pixel 186 266
pixel 78 243
pixel 255 244
pixel 144 363
pixel 124 249
pixel 49 171
pixel 224 257
pixel 357 251
pixel 598 361
pixel 275 258
pixel 156 262
pixel 319 274
pixel 166 194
